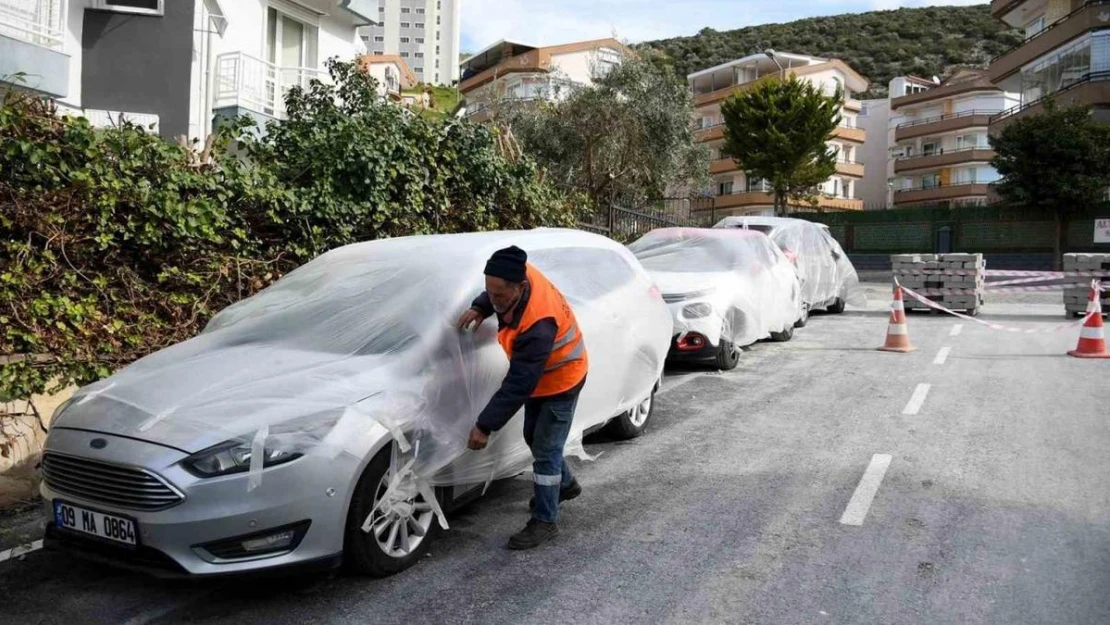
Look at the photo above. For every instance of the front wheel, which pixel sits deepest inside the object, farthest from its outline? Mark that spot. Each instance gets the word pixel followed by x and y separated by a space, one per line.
pixel 728 356
pixel 400 533
pixel 784 336
pixel 836 307
pixel 632 423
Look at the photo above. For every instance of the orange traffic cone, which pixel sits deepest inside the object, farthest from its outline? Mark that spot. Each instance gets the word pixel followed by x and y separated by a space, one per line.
pixel 897 332
pixel 1092 342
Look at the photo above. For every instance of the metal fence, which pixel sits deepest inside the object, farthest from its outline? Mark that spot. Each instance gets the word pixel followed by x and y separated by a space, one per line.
pixel 627 221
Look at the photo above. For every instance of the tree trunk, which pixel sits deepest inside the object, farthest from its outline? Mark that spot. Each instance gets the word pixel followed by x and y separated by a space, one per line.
pixel 1061 242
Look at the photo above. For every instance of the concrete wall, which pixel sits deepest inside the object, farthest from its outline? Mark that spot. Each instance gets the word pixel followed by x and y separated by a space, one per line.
pixel 140 64
pixel 874 153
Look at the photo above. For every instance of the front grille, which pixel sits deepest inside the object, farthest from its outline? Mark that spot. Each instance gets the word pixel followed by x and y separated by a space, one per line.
pixel 126 487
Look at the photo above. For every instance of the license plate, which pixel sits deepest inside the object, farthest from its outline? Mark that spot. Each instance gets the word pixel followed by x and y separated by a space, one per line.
pixel 107 526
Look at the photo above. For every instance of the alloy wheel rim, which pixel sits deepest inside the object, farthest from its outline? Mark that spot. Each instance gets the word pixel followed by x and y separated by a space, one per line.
pixel 400 530
pixel 639 413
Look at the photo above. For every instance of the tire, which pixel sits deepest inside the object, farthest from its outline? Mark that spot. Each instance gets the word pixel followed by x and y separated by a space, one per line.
pixel 804 319
pixel 634 422
pixel 365 553
pixel 784 336
pixel 836 307
pixel 728 356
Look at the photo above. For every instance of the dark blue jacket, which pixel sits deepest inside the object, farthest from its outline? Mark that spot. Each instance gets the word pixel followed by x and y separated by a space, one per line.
pixel 531 350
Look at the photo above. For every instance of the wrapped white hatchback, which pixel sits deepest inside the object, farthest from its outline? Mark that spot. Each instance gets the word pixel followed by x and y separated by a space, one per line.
pixel 725 289
pixel 328 415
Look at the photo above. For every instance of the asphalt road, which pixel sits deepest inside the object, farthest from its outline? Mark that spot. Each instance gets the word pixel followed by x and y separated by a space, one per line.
pixel 993 507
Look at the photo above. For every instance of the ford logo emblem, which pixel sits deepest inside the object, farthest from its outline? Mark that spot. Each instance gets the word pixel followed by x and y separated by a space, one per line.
pixel 98 443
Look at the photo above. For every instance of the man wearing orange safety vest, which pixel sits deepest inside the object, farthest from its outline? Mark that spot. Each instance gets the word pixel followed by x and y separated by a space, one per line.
pixel 547 369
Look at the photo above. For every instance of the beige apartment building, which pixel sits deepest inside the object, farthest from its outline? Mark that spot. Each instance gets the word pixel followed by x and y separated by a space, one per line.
pixel 1066 54
pixel 513 71
pixel 939 152
pixel 736 193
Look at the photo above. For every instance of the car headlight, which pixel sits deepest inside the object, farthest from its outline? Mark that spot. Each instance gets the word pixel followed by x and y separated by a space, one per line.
pixel 696 311
pixel 233 456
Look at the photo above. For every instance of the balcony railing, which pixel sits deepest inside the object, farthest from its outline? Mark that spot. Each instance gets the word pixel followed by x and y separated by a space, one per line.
pixel 940 118
pixel 243 80
pixel 39 22
pixel 1080 9
pixel 930 187
pixel 972 148
pixel 1084 79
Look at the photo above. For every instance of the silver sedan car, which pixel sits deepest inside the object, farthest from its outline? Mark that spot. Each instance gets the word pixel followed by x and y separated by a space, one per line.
pixel 325 419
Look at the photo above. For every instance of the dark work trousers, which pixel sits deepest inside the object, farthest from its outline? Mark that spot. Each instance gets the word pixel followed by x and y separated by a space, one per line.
pixel 547 423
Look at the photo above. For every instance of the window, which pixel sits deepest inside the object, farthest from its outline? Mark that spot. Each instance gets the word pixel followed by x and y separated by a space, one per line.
pixel 863 110
pixel 419 40
pixel 607 59
pixel 404 39
pixel 143 7
pixel 758 185
pixel 437 21
pixel 290 43
pixel 1034 27
pixel 420 11
pixel 405 55
pixel 379 38
pixel 930 148
pixel 418 70
pixel 437 35
pixel 406 10
pixel 437 76
pixel 420 25
pixel 966 142
pixel 724 188
pixel 437 50
pixel 381 8
pixel 406 24
pixel 1059 71
pixel 930 181
pixel 419 55
pixel 439 4
pixel 379 52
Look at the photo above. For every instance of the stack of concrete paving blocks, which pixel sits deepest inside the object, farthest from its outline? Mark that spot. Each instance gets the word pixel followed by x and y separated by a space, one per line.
pixel 1078 288
pixel 927 271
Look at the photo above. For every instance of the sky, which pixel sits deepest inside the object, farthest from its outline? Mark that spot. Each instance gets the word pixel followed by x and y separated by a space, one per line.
pixel 551 22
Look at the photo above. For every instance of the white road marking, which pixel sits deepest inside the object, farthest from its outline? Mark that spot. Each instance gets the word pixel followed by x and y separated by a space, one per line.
pixel 956 329
pixel 919 395
pixel 942 355
pixel 15 552
pixel 860 502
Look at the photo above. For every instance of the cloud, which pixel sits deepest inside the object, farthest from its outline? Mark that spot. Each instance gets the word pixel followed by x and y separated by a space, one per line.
pixel 563 21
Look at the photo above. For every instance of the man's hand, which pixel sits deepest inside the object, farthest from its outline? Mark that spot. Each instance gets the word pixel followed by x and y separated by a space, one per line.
pixel 478 439
pixel 471 316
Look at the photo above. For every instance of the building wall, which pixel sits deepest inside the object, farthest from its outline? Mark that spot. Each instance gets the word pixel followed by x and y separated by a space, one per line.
pixel 121 71
pixel 874 154
pixel 439 16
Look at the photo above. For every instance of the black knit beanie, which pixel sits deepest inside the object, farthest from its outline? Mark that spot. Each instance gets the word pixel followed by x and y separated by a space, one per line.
pixel 507 264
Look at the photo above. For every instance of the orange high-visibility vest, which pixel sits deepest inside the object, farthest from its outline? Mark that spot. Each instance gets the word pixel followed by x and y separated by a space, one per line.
pixel 567 365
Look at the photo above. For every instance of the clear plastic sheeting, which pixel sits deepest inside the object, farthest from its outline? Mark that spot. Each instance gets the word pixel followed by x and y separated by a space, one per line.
pixel 731 285
pixel 823 268
pixel 358 348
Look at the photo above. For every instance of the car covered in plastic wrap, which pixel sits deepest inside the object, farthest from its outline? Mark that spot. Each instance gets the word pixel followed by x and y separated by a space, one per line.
pixel 828 279
pixel 725 289
pixel 327 416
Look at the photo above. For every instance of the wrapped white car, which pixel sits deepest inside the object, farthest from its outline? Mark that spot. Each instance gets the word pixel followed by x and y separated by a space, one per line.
pixel 828 279
pixel 329 414
pixel 725 289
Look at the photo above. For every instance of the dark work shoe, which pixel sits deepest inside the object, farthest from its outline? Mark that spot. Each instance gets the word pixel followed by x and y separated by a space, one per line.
pixel 565 494
pixel 533 535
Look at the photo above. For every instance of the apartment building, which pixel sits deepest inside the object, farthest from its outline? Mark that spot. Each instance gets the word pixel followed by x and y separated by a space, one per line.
pixel 174 64
pixel 425 33
pixel 1065 54
pixel 874 188
pixel 392 73
pixel 937 137
pixel 510 70
pixel 737 193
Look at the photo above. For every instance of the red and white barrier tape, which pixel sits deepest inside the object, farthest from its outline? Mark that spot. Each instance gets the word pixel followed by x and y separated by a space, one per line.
pixel 1003 273
pixel 995 326
pixel 987 289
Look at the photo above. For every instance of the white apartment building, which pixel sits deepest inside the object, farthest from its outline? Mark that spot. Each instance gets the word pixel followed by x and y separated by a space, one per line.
pixel 425 33
pixel 176 64
pixel 392 73
pixel 510 70
pixel 736 193
pixel 874 188
pixel 939 152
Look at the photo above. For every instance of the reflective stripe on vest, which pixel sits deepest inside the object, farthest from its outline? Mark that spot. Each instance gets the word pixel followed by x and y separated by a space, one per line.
pixel 567 365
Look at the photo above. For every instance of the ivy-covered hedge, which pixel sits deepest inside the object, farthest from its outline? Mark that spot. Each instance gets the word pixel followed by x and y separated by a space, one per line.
pixel 115 243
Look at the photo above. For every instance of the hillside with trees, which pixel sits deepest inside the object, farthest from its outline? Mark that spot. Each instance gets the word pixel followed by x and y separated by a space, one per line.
pixel 880 44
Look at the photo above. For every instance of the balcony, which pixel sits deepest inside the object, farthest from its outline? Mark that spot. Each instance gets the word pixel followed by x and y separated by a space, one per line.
pixel 1090 89
pixel 979 118
pixel 710 133
pixel 32 43
pixel 850 133
pixel 941 193
pixel 534 61
pixel 943 158
pixel 723 165
pixel 247 84
pixel 1090 16
pixel 849 168
pixel 1000 8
